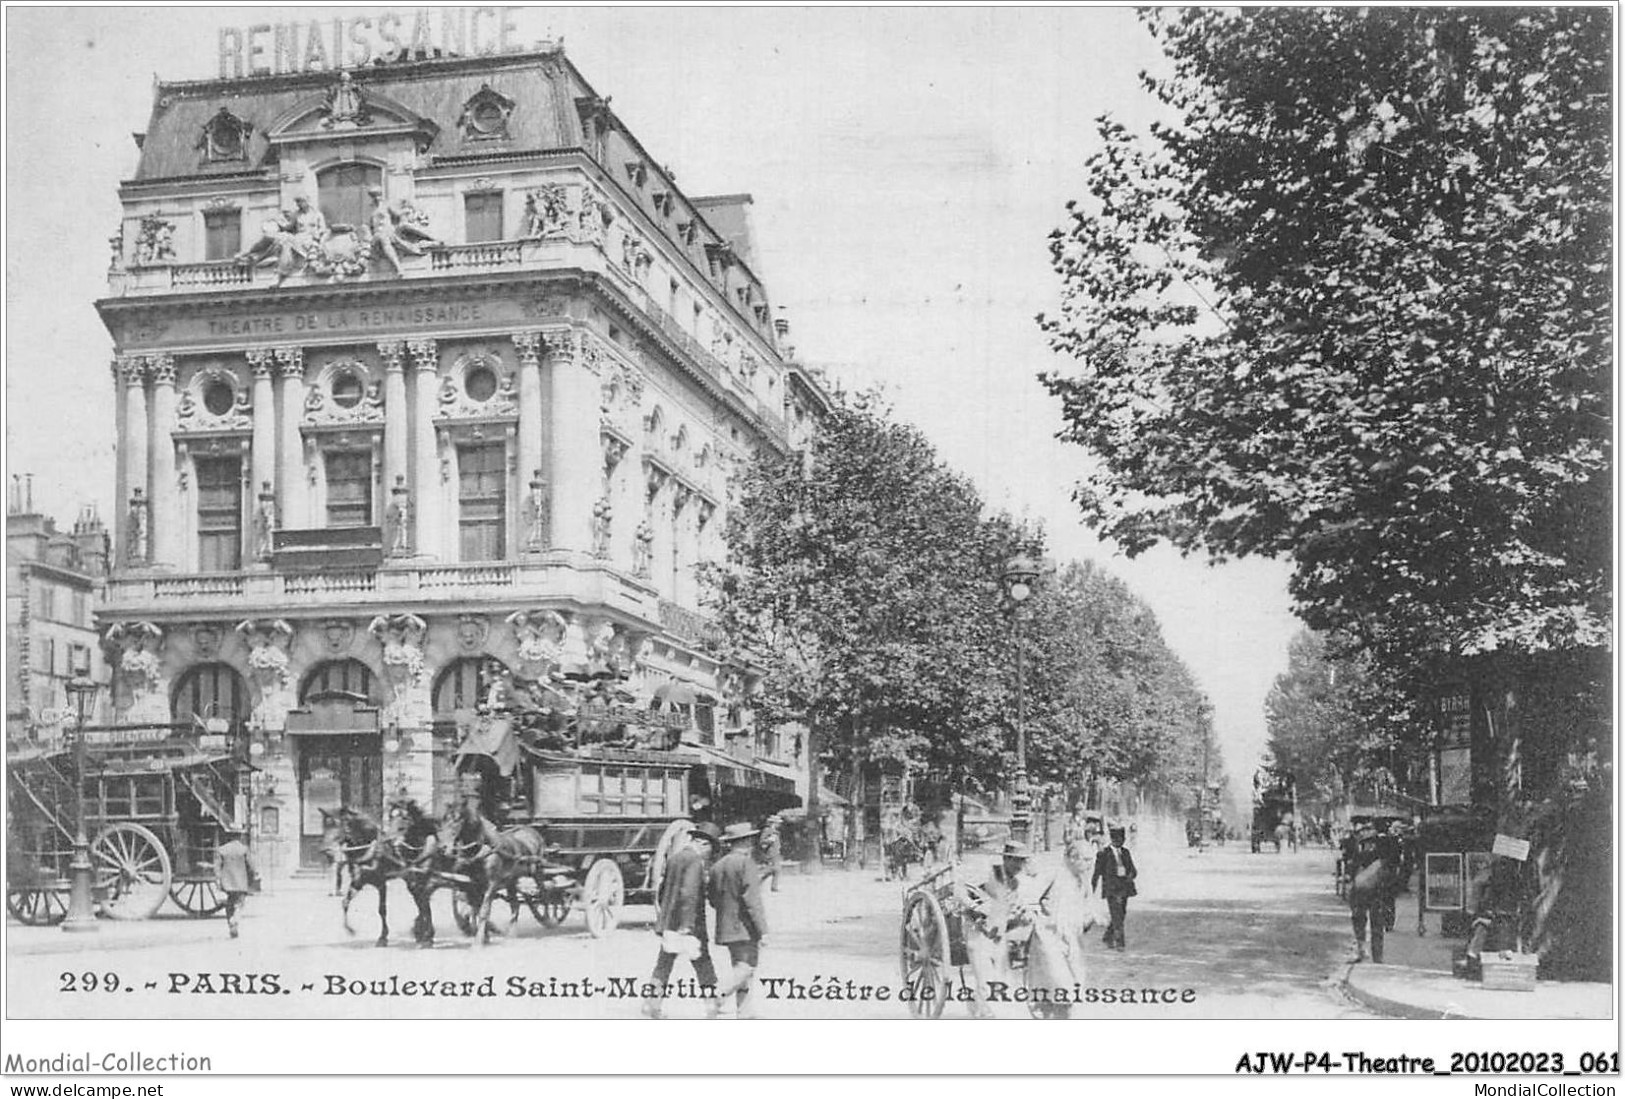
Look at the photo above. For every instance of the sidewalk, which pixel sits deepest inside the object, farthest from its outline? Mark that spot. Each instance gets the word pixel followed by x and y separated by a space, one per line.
pixel 1415 982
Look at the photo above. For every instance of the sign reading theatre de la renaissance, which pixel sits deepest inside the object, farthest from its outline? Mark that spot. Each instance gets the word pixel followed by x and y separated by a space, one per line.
pixel 325 45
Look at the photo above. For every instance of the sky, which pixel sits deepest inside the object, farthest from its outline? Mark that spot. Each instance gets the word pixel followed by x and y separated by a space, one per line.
pixel 906 165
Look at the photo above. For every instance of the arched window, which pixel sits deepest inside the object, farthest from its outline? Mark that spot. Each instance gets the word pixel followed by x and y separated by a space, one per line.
pixel 211 690
pixel 348 677
pixel 463 685
pixel 341 193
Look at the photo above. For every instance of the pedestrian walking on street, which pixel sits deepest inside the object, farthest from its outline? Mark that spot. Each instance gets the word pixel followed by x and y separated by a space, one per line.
pixel 736 894
pixel 680 919
pixel 1114 876
pixel 770 851
pixel 235 870
pixel 1376 864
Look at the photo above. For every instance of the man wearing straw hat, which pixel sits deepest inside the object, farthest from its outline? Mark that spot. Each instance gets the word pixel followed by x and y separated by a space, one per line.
pixel 998 912
pixel 736 894
pixel 680 919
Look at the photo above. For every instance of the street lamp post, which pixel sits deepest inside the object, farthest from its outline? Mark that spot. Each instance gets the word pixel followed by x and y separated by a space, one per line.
pixel 1020 577
pixel 81 908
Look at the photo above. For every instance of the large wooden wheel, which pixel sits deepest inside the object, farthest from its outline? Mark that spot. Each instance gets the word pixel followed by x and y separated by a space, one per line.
pixel 198 897
pixel 549 904
pixel 37 906
pixel 133 872
pixel 603 897
pixel 925 951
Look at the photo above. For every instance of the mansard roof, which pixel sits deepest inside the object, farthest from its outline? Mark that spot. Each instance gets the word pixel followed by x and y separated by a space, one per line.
pixel 543 89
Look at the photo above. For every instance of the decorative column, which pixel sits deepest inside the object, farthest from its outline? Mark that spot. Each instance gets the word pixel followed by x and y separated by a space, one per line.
pixel 430 492
pixel 166 520
pixel 396 426
pixel 576 461
pixel 262 457
pixel 295 488
pixel 529 346
pixel 134 443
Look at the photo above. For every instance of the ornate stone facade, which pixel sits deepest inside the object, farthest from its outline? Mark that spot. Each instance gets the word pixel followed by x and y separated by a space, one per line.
pixel 392 450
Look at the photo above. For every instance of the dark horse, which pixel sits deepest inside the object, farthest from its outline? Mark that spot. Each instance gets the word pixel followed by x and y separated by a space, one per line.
pixel 493 859
pixel 375 859
pixel 901 852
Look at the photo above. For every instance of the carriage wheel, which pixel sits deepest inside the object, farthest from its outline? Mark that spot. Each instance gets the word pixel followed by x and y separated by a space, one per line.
pixel 132 871
pixel 37 907
pixel 198 898
pixel 605 896
pixel 550 906
pixel 462 911
pixel 925 955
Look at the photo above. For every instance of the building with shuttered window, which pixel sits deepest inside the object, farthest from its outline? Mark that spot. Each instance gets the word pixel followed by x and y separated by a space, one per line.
pixel 426 370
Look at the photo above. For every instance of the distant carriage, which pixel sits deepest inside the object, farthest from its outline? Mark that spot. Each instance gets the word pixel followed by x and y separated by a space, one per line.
pixel 158 800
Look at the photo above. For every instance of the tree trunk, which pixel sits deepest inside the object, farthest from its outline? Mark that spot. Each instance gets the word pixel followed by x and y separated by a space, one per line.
pixel 814 861
pixel 854 816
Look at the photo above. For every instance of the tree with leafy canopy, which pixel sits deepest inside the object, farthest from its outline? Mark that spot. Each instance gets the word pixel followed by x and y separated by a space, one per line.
pixel 1110 699
pixel 863 576
pixel 1337 719
pixel 1351 304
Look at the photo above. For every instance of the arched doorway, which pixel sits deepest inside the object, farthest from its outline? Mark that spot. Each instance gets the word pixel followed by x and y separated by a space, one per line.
pixel 336 744
pixel 207 691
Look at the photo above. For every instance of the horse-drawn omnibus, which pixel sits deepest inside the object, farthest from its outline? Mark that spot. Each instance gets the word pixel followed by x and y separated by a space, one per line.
pixel 609 787
pixel 157 799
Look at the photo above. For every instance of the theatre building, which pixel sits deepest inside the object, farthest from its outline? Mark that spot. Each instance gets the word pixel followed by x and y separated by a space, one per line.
pixel 427 373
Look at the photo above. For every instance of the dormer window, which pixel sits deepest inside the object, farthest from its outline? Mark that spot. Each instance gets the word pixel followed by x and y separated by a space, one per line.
pixel 485 115
pixel 225 137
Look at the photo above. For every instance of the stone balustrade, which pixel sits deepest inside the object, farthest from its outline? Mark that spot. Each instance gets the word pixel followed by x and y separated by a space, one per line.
pixel 556 575
pixel 218 273
pixel 493 256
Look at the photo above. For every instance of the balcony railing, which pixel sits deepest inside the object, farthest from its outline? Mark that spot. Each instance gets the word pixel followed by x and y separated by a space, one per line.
pixel 559 573
pixel 489 256
pixel 224 585
pixel 688 625
pixel 215 273
pixel 341 582
pixel 465 576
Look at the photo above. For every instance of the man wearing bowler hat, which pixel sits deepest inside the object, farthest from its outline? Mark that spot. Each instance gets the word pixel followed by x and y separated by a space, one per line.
pixel 680 919
pixel 736 894
pixel 234 868
pixel 1114 876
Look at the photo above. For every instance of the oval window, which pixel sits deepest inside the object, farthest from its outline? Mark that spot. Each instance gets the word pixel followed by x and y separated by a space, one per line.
pixel 488 117
pixel 346 390
pixel 218 397
pixel 480 383
pixel 228 139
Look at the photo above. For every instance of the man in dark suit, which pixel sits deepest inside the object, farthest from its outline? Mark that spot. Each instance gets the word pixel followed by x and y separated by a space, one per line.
pixel 736 894
pixel 1114 876
pixel 1376 865
pixel 680 919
